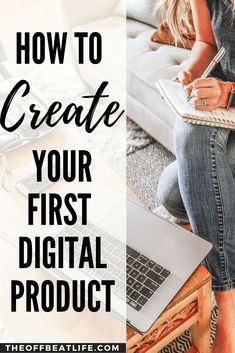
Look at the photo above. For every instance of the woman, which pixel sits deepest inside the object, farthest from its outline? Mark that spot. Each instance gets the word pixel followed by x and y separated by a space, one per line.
pixel 199 187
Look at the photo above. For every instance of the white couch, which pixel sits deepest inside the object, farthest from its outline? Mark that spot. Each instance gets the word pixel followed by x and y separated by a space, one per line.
pixel 146 61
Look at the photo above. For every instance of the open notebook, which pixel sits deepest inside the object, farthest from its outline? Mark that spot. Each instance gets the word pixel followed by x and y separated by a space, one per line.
pixel 173 94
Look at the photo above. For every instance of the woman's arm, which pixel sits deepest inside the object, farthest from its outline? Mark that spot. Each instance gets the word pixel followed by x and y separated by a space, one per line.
pixel 204 48
pixel 207 94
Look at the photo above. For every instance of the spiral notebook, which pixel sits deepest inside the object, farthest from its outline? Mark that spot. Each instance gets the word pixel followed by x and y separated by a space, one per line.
pixel 173 94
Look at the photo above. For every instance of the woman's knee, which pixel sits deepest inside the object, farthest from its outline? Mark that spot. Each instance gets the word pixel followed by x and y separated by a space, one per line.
pixel 194 141
pixel 190 139
pixel 168 190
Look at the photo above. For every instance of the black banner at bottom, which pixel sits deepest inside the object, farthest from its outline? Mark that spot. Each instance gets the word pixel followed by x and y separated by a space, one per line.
pixel 63 347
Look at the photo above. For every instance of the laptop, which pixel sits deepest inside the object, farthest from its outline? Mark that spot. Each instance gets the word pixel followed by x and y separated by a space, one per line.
pixel 161 257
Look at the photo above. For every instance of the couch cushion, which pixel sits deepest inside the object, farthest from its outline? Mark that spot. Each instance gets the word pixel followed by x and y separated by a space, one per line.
pixel 146 63
pixel 143 11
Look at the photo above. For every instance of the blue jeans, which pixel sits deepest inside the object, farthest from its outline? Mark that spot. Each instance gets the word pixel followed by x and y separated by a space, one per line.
pixel 199 188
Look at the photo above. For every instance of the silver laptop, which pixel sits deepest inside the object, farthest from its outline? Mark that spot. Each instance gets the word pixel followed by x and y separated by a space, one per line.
pixel 161 257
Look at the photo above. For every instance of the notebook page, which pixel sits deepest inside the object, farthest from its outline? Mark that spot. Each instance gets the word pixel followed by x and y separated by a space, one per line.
pixel 175 94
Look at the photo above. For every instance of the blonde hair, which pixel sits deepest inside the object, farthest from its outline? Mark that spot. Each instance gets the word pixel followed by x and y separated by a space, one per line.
pixel 175 13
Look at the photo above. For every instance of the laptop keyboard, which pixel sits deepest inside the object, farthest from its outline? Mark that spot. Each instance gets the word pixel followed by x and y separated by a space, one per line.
pixel 144 277
pixel 113 253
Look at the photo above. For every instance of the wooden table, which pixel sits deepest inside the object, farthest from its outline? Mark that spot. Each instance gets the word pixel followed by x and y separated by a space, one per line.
pixel 191 308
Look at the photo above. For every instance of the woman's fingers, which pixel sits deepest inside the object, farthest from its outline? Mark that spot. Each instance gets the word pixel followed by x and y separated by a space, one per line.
pixel 201 83
pixel 184 77
pixel 215 93
pixel 205 92
pixel 205 104
pixel 204 82
pixel 188 89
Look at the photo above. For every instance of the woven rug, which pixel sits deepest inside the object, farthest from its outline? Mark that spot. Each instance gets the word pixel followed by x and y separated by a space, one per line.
pixel 136 138
pixel 145 163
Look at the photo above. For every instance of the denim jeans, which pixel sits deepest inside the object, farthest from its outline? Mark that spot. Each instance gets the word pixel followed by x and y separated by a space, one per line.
pixel 199 188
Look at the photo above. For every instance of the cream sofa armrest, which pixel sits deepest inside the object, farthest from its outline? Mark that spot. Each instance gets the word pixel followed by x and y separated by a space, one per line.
pixel 80 12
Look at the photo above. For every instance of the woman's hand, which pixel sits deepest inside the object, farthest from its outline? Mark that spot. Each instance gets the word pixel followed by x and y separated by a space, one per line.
pixel 184 77
pixel 208 93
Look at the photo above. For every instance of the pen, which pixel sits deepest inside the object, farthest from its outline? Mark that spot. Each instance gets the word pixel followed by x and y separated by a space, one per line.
pixel 211 66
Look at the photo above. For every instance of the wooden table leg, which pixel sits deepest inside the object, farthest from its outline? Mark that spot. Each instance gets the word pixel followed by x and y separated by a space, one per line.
pixel 200 331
